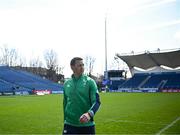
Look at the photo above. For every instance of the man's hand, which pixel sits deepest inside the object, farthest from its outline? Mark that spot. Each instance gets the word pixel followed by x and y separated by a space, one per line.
pixel 84 118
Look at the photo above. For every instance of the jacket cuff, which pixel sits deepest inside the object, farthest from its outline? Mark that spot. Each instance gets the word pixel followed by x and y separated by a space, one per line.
pixel 91 113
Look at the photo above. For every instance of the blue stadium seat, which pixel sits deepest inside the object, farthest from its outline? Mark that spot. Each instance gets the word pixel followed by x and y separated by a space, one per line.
pixel 20 80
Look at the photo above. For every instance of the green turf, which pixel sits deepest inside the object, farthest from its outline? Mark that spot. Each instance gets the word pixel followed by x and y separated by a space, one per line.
pixel 120 113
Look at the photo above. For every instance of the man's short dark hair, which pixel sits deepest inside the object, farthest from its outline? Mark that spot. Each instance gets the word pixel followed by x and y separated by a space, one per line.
pixel 73 61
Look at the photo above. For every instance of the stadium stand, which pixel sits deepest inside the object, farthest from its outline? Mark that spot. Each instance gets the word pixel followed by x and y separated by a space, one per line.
pixel 114 84
pixel 17 81
pixel 115 79
pixel 173 81
pixel 135 81
pixel 4 86
pixel 153 78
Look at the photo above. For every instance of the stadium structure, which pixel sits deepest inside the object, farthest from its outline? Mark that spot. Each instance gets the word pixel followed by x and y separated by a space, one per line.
pixel 160 73
pixel 19 82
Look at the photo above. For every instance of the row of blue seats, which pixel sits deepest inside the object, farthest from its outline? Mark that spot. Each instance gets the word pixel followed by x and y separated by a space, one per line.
pixel 113 85
pixel 134 81
pixel 7 86
pixel 27 80
pixel 44 83
pixel 161 80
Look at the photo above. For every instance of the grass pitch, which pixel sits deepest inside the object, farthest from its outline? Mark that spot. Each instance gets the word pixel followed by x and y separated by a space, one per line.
pixel 120 113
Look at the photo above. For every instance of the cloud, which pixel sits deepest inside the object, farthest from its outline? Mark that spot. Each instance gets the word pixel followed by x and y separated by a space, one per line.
pixel 162 25
pixel 155 4
pixel 144 6
pixel 177 35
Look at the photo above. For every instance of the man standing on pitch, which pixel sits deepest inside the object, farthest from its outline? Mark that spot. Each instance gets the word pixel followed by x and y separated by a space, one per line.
pixel 81 101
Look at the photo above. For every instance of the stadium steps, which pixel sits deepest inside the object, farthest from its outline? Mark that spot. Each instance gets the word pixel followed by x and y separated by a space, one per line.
pixel 143 82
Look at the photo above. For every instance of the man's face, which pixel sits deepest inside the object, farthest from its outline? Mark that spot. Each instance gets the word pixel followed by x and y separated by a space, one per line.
pixel 78 68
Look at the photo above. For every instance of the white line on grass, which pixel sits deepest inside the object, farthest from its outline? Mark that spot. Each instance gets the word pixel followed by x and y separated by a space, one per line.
pixel 168 126
pixel 137 122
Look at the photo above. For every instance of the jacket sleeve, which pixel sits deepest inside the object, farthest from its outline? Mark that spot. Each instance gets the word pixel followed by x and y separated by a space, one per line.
pixel 94 98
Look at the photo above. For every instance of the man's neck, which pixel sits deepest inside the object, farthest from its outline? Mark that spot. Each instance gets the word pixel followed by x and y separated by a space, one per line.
pixel 77 75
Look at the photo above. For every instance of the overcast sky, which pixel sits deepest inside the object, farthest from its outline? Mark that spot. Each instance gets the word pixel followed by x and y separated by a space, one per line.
pixel 77 28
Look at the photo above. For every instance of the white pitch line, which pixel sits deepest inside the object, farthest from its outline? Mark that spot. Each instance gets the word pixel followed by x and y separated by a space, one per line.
pixel 137 122
pixel 168 126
